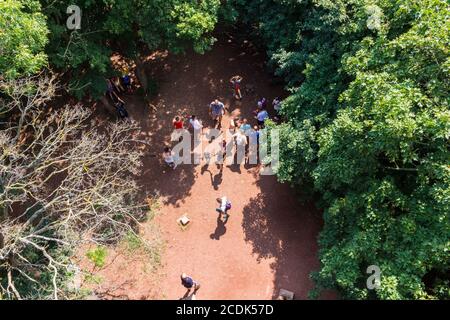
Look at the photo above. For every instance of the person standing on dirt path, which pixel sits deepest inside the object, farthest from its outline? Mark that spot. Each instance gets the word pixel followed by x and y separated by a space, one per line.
pixel 225 205
pixel 216 111
pixel 276 103
pixel 177 123
pixel 253 145
pixel 178 127
pixel 169 158
pixel 221 155
pixel 189 284
pixel 236 82
pixel 127 82
pixel 245 127
pixel 120 107
pixel 195 124
pixel 235 123
pixel 261 117
pixel 241 147
pixel 262 103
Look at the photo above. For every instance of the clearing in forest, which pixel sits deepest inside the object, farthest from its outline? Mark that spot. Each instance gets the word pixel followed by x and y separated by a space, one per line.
pixel 270 239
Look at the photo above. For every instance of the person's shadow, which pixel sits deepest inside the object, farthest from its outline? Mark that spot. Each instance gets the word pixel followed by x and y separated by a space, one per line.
pixel 236 167
pixel 205 169
pixel 217 180
pixel 220 229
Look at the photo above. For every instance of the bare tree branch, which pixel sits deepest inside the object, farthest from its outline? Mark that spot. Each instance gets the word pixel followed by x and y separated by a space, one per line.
pixel 62 182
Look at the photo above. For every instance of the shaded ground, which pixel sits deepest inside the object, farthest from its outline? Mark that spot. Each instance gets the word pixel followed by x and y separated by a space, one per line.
pixel 269 241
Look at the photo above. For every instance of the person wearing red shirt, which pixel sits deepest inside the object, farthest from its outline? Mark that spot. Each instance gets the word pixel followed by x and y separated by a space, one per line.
pixel 236 82
pixel 178 126
pixel 178 123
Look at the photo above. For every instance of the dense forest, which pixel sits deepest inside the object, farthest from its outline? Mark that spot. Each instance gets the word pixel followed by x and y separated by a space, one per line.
pixel 365 133
pixel 368 129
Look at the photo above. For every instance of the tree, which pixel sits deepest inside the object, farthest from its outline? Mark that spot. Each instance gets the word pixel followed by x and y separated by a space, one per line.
pixel 63 181
pixel 368 131
pixel 23 37
pixel 132 27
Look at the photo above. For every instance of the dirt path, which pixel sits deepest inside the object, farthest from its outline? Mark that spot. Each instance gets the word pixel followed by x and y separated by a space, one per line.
pixel 269 241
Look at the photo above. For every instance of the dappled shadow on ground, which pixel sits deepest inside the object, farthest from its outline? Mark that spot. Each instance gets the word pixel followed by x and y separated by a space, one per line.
pixel 274 224
pixel 186 84
pixel 285 230
pixel 216 179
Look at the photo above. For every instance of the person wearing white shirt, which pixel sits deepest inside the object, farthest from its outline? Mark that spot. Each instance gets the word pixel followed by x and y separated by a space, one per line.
pixel 195 123
pixel 276 103
pixel 225 205
pixel 169 158
pixel 241 138
pixel 241 146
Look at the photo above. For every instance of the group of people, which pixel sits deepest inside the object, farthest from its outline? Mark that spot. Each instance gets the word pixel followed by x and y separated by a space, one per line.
pixel 242 131
pixel 116 86
pixel 178 124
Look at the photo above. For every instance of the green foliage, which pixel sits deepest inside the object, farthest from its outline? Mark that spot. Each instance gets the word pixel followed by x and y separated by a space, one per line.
pixel 93 279
pixel 194 19
pixel 97 256
pixel 44 277
pixel 228 13
pixel 23 37
pixel 133 242
pixel 131 27
pixel 154 205
pixel 368 116
pixel 368 129
pixel 150 249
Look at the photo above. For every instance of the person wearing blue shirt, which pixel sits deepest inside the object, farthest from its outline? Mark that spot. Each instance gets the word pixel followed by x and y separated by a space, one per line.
pixel 189 284
pixel 245 127
pixel 262 116
pixel 216 111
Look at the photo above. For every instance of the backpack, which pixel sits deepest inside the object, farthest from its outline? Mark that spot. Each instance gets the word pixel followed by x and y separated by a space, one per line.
pixel 228 205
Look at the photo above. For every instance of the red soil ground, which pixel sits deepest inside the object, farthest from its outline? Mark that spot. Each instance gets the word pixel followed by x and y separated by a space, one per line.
pixel 270 240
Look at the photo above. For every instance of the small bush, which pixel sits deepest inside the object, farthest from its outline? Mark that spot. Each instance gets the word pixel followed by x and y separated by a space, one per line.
pixel 133 242
pixel 97 256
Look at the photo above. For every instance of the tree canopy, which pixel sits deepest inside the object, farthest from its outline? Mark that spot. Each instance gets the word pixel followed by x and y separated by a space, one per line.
pixel 367 119
pixel 368 128
pixel 23 37
pixel 132 26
